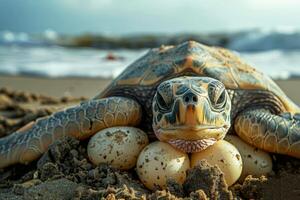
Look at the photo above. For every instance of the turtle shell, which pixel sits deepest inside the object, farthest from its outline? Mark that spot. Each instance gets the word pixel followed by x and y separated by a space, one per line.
pixel 192 58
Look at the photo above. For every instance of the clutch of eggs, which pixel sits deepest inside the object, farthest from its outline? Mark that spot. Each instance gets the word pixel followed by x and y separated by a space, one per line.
pixel 159 161
pixel 126 147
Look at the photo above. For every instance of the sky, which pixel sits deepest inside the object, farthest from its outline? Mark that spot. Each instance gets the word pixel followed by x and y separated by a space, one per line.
pixel 147 16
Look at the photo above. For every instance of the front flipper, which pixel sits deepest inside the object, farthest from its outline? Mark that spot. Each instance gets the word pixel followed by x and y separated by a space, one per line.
pixel 272 133
pixel 80 122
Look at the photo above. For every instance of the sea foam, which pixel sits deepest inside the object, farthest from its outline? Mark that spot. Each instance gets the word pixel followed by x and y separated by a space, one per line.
pixel 276 53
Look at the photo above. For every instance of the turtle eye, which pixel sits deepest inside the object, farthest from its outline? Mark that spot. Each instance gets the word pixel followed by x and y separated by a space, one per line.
pixel 221 99
pixel 217 95
pixel 161 102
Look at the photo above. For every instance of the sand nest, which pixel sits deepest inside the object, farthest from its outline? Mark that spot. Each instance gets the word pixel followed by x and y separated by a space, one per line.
pixel 64 171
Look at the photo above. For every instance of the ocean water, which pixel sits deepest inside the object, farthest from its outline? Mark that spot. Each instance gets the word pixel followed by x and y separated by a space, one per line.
pixel 274 53
pixel 278 64
pixel 54 61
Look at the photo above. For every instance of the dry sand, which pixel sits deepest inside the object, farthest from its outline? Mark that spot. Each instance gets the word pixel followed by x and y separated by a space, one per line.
pixel 89 87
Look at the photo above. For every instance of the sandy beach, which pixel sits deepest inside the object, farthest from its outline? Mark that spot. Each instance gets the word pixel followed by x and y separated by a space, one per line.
pixel 89 87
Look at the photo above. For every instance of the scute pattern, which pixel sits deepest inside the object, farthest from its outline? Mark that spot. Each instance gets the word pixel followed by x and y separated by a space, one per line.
pixel 194 59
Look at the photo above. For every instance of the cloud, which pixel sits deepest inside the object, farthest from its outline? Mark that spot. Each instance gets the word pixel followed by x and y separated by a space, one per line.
pixel 128 16
pixel 86 5
pixel 264 4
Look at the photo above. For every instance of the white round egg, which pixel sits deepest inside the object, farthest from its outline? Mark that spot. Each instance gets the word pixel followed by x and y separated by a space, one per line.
pixel 117 146
pixel 225 156
pixel 159 161
pixel 255 162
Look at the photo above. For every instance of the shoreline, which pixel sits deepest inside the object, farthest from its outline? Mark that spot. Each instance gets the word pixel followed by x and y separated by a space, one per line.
pixel 91 86
pixel 56 87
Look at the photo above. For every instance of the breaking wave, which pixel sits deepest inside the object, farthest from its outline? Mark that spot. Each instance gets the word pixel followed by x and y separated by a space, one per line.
pixel 276 53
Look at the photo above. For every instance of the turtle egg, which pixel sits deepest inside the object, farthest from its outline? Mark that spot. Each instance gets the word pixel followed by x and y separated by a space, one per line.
pixel 225 156
pixel 255 162
pixel 117 146
pixel 159 161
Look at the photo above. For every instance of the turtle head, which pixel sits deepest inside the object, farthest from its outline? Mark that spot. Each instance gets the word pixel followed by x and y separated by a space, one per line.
pixel 191 113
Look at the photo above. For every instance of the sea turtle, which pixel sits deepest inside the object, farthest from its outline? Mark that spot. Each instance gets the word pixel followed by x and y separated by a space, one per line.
pixel 191 94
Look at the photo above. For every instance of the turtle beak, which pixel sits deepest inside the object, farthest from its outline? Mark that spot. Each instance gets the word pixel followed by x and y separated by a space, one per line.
pixel 191 116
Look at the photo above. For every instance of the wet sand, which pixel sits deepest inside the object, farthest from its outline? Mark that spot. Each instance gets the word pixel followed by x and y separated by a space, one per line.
pixel 56 87
pixel 89 87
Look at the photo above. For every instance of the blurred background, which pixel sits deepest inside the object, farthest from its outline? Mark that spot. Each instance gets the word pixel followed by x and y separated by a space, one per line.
pixel 75 47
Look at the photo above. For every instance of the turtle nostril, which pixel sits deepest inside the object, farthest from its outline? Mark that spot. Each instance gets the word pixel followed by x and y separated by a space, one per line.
pixel 195 99
pixel 186 99
pixel 190 98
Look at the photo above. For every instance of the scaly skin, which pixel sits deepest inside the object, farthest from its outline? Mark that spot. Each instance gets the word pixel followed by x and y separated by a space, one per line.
pixel 80 122
pixel 272 133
